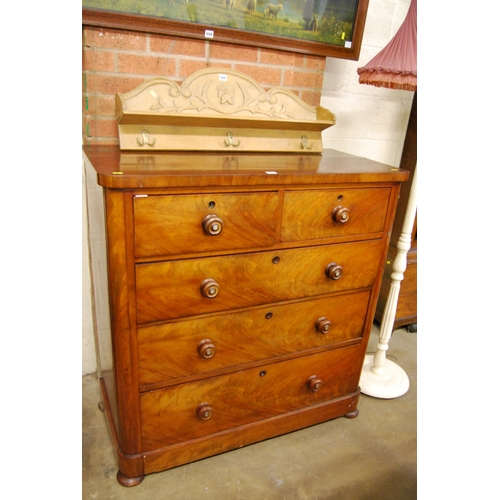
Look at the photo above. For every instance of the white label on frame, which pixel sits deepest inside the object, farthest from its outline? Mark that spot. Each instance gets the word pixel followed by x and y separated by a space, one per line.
pixel 348 45
pixel 223 78
pixel 209 34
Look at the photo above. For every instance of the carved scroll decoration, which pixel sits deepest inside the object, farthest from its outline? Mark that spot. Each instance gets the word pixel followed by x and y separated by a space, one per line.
pixel 202 111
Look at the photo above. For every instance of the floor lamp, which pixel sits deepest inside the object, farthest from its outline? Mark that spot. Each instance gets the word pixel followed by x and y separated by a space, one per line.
pixel 394 67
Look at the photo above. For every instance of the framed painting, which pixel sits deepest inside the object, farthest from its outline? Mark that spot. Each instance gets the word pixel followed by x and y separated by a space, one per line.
pixel 332 28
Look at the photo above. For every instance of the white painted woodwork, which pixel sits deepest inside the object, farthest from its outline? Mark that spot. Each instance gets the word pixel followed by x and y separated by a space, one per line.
pixel 381 377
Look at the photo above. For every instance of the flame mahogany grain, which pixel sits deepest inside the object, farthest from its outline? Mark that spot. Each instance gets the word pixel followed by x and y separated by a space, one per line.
pixel 225 328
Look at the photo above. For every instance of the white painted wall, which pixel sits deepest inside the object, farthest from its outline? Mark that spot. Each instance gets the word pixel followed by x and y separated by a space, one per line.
pixel 371 122
pixel 89 360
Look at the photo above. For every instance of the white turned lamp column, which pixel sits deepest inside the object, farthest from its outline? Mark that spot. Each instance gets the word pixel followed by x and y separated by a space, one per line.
pixel 381 377
pixel 394 67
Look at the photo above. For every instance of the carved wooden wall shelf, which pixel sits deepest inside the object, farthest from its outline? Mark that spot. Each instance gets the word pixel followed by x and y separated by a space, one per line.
pixel 218 110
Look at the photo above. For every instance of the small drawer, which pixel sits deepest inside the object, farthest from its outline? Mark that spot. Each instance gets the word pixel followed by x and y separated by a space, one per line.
pixel 197 346
pixel 175 289
pixel 189 411
pixel 177 224
pixel 332 213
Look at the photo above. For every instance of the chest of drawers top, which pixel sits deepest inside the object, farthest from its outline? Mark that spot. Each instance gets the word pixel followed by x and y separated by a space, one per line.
pixel 123 170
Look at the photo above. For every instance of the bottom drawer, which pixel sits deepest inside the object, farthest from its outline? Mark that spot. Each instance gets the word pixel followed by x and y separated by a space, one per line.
pixel 189 411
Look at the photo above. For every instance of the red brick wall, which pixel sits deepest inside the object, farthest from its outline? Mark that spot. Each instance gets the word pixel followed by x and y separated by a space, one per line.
pixel 118 61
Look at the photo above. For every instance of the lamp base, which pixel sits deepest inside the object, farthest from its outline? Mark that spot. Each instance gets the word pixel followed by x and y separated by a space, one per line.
pixel 391 383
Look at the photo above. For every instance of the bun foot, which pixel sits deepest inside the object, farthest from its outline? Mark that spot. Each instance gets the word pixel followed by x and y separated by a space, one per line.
pixel 352 414
pixel 128 481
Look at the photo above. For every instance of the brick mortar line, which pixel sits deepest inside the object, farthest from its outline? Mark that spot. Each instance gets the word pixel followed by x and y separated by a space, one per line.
pixel 146 75
pixel 203 58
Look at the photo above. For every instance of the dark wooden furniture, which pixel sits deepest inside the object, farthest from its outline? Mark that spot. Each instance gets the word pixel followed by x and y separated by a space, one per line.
pixel 242 290
pixel 406 312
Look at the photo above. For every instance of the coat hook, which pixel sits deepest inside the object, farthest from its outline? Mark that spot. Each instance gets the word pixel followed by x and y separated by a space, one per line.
pixel 304 143
pixel 229 140
pixel 145 139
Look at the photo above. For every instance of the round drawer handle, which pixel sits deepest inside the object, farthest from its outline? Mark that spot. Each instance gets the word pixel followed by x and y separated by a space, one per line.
pixel 323 325
pixel 334 271
pixel 204 411
pixel 341 214
pixel 206 349
pixel 314 383
pixel 210 288
pixel 212 225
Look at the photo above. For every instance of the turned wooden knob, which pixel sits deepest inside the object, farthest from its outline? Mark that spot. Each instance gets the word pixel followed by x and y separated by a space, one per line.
pixel 314 383
pixel 334 271
pixel 206 349
pixel 210 288
pixel 212 225
pixel 204 411
pixel 341 214
pixel 323 325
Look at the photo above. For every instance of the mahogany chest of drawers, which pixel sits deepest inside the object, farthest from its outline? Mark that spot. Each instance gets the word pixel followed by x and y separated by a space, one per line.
pixel 241 289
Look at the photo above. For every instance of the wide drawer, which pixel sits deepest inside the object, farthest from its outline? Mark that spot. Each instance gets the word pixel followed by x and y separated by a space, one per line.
pixel 195 346
pixel 188 287
pixel 168 225
pixel 316 214
pixel 188 411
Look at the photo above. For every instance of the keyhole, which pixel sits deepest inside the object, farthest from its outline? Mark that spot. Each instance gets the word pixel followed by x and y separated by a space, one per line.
pixel 211 204
pixel 276 260
pixel 340 197
pixel 263 373
pixel 269 315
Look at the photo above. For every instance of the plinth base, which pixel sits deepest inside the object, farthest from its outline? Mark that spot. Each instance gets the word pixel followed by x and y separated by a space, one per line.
pixel 391 383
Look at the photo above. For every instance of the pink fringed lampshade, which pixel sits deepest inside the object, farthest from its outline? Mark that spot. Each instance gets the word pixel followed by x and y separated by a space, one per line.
pixel 395 66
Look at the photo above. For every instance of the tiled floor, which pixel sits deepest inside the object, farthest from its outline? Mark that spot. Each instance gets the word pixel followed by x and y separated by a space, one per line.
pixel 371 457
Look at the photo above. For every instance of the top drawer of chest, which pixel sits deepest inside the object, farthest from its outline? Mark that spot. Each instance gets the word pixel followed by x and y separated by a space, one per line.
pixel 316 214
pixel 195 223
